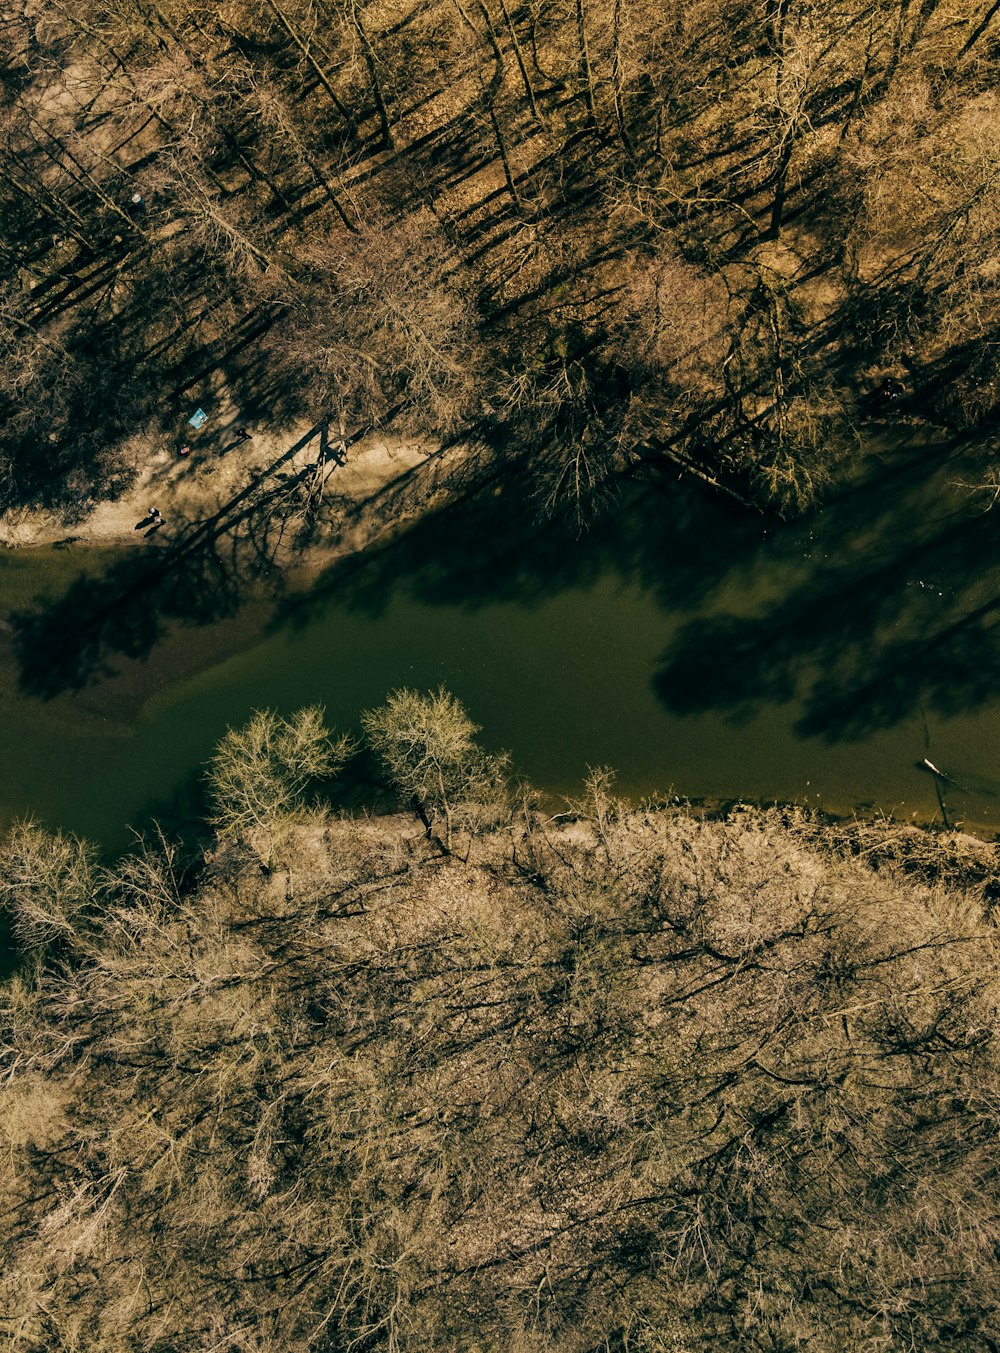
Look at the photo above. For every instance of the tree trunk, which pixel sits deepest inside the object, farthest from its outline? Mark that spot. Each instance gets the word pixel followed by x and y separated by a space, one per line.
pixel 616 78
pixel 519 58
pixel 368 51
pixel 316 67
pixel 779 14
pixel 333 198
pixel 504 159
pixel 490 91
pixel 423 815
pixel 584 53
pixel 257 174
pixel 553 80
pixel 446 807
pixel 979 30
pixel 780 187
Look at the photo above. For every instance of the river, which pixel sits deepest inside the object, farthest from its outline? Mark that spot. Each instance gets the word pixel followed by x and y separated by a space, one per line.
pixel 700 650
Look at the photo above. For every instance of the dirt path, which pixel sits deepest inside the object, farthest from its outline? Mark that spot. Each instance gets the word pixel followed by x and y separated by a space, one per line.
pixel 190 489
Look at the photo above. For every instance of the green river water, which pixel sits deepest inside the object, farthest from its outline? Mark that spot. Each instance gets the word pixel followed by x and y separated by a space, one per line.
pixel 698 649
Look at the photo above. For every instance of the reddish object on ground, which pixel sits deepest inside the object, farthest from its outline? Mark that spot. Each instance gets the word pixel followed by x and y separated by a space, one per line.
pixel 184 451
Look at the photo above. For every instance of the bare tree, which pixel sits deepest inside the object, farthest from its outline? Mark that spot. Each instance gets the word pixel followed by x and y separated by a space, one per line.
pixel 260 773
pixel 47 884
pixel 427 746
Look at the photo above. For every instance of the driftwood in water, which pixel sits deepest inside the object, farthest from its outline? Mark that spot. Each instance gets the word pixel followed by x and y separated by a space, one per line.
pixel 925 764
pixel 687 465
pixel 939 779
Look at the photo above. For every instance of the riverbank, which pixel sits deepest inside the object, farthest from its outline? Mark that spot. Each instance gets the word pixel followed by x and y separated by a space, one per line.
pixel 379 470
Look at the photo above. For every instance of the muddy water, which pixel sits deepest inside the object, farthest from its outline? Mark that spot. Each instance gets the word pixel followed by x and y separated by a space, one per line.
pixel 699 650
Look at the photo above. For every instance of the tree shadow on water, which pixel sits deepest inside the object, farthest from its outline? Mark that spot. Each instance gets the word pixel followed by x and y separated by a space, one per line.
pixel 66 644
pixel 490 546
pixel 897 619
pixel 199 577
pixel 181 815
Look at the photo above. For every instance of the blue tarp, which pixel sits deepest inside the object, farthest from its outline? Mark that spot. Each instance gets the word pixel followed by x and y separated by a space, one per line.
pixel 198 419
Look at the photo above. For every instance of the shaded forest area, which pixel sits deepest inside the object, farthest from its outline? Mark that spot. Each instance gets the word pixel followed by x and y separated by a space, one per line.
pixel 480 1078
pixel 580 232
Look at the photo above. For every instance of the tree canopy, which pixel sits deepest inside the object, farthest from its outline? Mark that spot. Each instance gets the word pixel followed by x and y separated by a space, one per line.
pixel 628 1079
pixel 583 234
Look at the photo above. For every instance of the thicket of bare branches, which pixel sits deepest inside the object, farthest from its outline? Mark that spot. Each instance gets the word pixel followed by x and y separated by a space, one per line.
pixel 583 230
pixel 630 1080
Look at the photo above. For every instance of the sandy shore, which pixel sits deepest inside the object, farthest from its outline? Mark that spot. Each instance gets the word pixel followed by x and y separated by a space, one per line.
pixel 380 470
